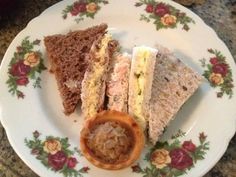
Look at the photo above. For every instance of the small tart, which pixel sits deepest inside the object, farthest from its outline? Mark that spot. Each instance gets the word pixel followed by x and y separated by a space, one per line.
pixel 111 140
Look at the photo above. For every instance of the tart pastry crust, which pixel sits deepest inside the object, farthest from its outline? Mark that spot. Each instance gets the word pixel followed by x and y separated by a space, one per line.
pixel 133 133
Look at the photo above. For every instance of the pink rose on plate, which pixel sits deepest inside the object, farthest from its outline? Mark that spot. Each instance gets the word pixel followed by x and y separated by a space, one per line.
pixel 149 8
pixel 19 69
pixel 71 162
pixel 180 159
pixel 22 81
pixel 189 146
pixel 74 12
pixel 220 68
pixel 78 7
pixel 161 10
pixel 214 60
pixel 57 161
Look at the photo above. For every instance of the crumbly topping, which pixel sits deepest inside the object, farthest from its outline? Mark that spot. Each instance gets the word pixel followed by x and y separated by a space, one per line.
pixel 110 142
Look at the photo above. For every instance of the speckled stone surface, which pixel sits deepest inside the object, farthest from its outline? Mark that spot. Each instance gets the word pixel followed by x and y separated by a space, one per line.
pixel 219 14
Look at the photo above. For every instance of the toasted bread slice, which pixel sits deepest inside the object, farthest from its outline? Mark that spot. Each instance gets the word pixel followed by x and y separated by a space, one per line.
pixel 67 56
pixel 173 84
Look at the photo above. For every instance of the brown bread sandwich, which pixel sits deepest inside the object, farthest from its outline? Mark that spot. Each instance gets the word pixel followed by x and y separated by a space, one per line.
pixel 173 84
pixel 67 56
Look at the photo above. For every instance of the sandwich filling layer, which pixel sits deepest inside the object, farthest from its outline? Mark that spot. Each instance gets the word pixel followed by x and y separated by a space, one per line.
pixel 93 86
pixel 143 62
pixel 141 67
pixel 118 83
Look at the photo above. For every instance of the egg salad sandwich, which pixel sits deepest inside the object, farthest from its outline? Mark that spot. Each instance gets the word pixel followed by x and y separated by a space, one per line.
pixel 66 54
pixel 94 81
pixel 140 83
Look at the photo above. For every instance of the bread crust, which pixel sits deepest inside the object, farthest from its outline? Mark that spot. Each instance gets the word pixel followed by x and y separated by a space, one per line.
pixel 67 58
pixel 174 83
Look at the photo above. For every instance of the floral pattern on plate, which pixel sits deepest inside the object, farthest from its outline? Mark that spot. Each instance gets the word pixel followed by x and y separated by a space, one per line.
pixel 83 8
pixel 173 158
pixel 55 154
pixel 218 73
pixel 163 15
pixel 25 65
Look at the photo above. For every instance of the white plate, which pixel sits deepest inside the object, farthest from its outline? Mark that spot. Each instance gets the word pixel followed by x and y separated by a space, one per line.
pixel 41 109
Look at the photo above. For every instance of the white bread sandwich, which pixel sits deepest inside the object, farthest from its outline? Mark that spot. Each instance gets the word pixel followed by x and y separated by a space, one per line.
pixel 118 82
pixel 140 83
pixel 173 84
pixel 93 84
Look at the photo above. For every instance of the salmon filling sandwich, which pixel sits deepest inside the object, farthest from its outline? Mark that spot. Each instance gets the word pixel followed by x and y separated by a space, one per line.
pixel 118 82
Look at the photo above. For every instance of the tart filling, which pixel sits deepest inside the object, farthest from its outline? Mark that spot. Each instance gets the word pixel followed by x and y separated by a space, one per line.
pixel 110 142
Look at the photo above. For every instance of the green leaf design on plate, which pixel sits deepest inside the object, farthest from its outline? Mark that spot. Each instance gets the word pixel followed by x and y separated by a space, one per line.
pixel 83 9
pixel 25 65
pixel 218 73
pixel 164 15
pixel 55 154
pixel 172 158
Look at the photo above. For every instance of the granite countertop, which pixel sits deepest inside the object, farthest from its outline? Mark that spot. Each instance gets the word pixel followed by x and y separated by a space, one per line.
pixel 219 14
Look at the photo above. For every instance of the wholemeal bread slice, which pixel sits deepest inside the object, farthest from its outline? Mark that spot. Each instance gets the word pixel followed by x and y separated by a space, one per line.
pixel 67 56
pixel 173 84
pixel 117 84
pixel 140 83
pixel 94 82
